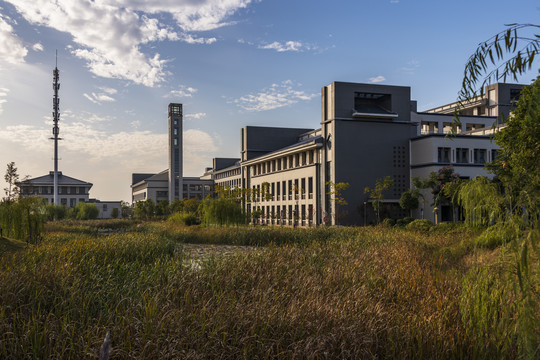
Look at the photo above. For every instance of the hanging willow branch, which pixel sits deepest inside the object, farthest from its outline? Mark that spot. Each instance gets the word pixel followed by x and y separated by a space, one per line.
pixel 511 42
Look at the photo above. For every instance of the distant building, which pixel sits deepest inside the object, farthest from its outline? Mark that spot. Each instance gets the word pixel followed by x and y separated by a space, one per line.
pixel 367 132
pixel 106 208
pixel 70 190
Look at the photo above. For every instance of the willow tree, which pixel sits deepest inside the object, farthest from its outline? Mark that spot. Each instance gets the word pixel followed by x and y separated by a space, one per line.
pixel 482 201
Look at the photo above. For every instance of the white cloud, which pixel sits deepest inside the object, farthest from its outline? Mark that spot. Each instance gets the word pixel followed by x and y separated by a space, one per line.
pixel 295 46
pixel 38 47
pixel 377 79
pixel 108 90
pixel 3 93
pixel 183 91
pixel 195 115
pixel 411 67
pixel 126 150
pixel 273 97
pixel 98 98
pixel 12 50
pixel 116 52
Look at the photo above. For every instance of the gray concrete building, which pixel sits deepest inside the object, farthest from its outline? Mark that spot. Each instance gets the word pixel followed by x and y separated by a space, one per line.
pixel 367 132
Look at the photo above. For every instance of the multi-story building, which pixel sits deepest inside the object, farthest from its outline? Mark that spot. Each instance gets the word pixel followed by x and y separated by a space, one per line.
pixel 70 190
pixel 367 132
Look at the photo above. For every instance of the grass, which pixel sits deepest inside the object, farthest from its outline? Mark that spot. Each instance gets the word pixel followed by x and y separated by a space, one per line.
pixel 318 293
pixel 10 245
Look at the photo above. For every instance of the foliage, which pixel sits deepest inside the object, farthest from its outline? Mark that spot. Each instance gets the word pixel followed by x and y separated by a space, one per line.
pixel 327 292
pixel 405 221
pixel 419 225
pixel 518 166
pixel 409 200
pixel 115 213
pixel 144 209
pixel 481 201
pixel 377 193
pixel 335 191
pixel 388 222
pixel 55 212
pixel 127 210
pixel 22 218
pixel 222 211
pixel 162 208
pixel 187 219
pixel 11 177
pixel 83 211
pixel 497 235
pixel 494 51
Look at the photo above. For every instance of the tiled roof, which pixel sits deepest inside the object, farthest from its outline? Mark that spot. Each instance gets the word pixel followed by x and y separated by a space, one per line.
pixel 63 180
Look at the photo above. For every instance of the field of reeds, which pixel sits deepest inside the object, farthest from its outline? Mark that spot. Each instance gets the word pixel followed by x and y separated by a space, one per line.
pixel 344 293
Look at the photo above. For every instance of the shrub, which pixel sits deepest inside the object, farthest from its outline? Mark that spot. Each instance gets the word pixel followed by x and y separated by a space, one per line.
pixel 419 225
pixel 84 211
pixel 55 212
pixel 404 221
pixel 115 213
pixel 186 218
pixel 388 222
pixel 495 236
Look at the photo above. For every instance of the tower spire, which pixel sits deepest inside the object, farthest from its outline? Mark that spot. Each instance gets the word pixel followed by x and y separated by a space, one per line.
pixel 56 130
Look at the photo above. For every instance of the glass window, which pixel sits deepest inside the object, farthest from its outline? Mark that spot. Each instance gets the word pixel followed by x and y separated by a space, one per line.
pixel 443 155
pixel 462 155
pixel 479 156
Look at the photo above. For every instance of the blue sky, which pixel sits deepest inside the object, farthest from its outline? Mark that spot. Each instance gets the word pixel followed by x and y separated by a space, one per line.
pixel 231 63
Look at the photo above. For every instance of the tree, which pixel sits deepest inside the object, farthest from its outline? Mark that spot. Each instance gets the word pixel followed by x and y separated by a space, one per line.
pixel 11 178
pixel 115 213
pixel 376 194
pixel 335 190
pixel 409 200
pixel 518 163
pixel 495 52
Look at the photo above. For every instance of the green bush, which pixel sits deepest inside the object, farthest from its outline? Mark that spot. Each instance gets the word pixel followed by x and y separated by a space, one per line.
pixel 419 225
pixel 495 236
pixel 55 212
pixel 404 221
pixel 185 218
pixel 83 211
pixel 388 222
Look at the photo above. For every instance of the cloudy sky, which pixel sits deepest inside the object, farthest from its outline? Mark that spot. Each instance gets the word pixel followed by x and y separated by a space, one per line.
pixel 231 63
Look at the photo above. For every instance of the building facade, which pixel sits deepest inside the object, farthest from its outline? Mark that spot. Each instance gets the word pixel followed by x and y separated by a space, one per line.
pixel 367 132
pixel 71 191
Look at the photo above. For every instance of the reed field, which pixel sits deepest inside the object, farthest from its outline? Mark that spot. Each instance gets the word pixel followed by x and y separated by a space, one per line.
pixel 322 293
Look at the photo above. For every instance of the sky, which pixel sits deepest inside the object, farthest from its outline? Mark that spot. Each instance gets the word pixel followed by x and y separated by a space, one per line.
pixel 231 63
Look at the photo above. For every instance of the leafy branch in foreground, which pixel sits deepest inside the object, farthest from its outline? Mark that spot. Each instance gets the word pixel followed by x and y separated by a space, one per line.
pixel 494 52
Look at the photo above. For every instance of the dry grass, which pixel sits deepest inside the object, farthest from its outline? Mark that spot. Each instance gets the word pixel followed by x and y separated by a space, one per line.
pixel 354 293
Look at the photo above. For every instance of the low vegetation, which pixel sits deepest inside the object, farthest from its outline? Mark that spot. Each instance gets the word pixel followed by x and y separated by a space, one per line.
pixel 373 292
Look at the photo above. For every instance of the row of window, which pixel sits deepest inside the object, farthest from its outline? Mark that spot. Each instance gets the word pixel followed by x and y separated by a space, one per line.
pixel 290 212
pixel 284 190
pixel 432 127
pixel 48 190
pixel 463 155
pixel 235 183
pixel 228 173
pixel 284 163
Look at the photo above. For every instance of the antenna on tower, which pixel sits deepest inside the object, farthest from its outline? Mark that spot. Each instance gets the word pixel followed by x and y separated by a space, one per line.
pixel 56 129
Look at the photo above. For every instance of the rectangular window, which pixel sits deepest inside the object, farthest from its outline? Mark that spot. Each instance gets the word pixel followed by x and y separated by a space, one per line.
pixel 443 155
pixel 284 190
pixel 462 155
pixel 494 154
pixel 296 188
pixel 278 191
pixel 303 188
pixel 290 189
pixel 175 131
pixel 429 127
pixel 310 188
pixel 175 141
pixel 479 156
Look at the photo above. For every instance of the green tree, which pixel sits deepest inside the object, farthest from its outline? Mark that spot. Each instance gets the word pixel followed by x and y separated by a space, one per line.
pixel 335 191
pixel 11 177
pixel 409 200
pixel 518 163
pixel 377 193
pixel 115 213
